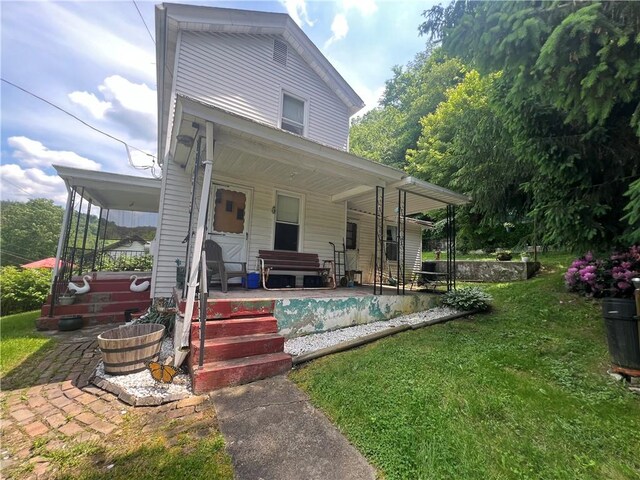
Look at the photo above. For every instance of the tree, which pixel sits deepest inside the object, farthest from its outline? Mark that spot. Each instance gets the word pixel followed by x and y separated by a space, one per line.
pixel 30 230
pixel 570 103
pixel 386 133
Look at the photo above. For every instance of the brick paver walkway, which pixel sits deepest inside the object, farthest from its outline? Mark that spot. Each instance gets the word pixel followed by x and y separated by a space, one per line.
pixel 62 406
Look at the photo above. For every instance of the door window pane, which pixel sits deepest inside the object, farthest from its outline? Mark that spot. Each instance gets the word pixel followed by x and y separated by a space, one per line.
pixel 352 236
pixel 286 237
pixel 228 213
pixel 391 243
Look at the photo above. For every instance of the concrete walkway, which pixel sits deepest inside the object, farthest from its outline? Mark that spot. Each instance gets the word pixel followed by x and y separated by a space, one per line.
pixel 274 433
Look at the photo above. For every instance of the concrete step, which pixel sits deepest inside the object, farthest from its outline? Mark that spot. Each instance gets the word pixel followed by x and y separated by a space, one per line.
pixel 227 348
pixel 235 327
pixel 89 319
pixel 92 308
pixel 231 308
pixel 213 376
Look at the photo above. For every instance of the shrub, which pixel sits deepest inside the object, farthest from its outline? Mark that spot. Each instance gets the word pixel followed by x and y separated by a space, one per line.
pixel 610 277
pixel 467 298
pixel 23 289
pixel 124 263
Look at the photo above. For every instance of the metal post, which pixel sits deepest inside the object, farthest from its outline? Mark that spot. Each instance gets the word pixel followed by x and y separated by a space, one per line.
pixel 203 305
pixel 96 241
pixel 398 233
pixel 404 238
pixel 382 235
pixel 104 238
pixel 454 272
pixel 84 235
pixel 75 238
pixel 375 248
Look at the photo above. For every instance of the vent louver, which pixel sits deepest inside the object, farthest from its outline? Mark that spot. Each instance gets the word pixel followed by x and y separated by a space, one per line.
pixel 280 52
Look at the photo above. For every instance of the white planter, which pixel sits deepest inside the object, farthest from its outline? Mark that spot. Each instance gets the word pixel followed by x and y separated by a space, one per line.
pixel 66 300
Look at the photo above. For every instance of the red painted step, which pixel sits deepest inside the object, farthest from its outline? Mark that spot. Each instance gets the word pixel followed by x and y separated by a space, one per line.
pixel 232 308
pixel 217 375
pixel 84 308
pixel 227 348
pixel 102 297
pixel 235 327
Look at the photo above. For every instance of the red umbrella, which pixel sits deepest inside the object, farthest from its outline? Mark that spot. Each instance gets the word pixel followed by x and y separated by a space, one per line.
pixel 44 263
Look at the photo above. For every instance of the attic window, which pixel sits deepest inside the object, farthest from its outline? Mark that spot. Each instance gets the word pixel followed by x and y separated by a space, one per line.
pixel 280 52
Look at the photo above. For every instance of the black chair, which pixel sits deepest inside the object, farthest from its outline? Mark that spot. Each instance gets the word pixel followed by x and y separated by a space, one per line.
pixel 217 266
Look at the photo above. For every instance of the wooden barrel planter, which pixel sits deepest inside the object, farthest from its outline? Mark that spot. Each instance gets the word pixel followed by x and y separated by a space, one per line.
pixel 128 349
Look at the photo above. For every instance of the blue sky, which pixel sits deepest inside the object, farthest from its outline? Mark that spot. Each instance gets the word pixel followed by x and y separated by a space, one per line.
pixel 96 60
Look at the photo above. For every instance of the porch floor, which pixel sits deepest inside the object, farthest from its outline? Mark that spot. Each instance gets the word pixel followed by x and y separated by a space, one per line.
pixel 236 291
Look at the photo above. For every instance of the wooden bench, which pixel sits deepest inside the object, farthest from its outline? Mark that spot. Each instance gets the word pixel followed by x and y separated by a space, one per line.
pixel 295 262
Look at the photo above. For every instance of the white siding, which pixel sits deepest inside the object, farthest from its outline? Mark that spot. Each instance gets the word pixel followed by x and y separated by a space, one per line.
pixel 173 226
pixel 237 73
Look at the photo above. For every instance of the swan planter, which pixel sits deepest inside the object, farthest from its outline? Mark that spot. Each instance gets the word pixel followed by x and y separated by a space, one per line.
pixel 77 290
pixel 140 287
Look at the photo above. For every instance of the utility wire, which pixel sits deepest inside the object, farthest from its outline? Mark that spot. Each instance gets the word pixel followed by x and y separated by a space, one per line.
pixel 145 23
pixel 20 188
pixel 86 124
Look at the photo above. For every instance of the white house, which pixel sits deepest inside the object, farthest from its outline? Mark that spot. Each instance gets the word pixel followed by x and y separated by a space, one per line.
pixel 272 114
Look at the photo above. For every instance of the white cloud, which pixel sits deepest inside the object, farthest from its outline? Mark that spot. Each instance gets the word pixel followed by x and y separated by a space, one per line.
pixel 32 153
pixel 23 184
pixel 297 10
pixel 365 7
pixel 137 97
pixel 339 29
pixel 90 102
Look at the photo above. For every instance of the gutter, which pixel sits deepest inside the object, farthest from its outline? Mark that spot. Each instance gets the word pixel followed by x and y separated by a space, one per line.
pixel 358 342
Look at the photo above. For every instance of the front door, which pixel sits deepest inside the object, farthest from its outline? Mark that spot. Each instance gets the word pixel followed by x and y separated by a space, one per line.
pixel 230 222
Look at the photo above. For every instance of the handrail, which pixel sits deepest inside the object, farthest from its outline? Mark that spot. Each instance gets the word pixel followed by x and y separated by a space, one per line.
pixel 203 305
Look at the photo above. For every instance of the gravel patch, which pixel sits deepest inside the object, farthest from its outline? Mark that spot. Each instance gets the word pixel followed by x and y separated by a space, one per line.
pixel 140 388
pixel 317 341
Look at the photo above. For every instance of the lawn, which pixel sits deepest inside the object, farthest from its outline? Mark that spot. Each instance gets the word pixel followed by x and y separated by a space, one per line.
pixel 521 392
pixel 19 340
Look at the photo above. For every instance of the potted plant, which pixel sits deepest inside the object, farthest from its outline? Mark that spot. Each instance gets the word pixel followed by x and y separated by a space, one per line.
pixel 503 256
pixel 611 280
pixel 67 298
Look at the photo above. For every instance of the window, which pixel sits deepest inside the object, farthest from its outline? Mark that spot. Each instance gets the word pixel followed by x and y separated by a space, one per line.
pixel 391 244
pixel 352 236
pixel 287 231
pixel 292 114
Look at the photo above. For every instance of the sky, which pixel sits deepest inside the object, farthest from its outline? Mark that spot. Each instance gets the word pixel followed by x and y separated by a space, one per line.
pixel 96 61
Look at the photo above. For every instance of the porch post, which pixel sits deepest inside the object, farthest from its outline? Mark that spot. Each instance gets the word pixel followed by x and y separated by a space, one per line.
pixel 75 237
pixel 400 239
pixel 451 248
pixel 84 236
pixel 181 337
pixel 104 237
pixel 96 242
pixel 378 255
pixel 194 183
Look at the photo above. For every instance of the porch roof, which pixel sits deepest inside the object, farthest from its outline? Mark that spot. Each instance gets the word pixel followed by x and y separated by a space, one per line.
pixel 245 147
pixel 114 191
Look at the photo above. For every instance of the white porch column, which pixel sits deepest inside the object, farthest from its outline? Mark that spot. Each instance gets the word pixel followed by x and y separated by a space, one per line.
pixel 181 334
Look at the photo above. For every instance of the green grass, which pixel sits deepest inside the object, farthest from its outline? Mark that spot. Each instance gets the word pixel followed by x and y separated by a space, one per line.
pixel 193 450
pixel 19 340
pixel 521 392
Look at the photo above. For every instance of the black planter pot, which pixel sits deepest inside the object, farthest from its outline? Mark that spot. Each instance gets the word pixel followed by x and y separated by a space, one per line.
pixel 72 322
pixel 621 324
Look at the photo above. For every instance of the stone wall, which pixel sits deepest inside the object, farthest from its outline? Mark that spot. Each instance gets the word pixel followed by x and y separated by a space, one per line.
pixel 491 271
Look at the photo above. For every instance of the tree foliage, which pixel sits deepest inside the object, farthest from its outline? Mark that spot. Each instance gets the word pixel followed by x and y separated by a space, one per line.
pixel 568 98
pixel 387 132
pixel 29 230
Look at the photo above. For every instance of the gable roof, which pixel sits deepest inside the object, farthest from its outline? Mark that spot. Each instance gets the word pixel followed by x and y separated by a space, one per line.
pixel 172 18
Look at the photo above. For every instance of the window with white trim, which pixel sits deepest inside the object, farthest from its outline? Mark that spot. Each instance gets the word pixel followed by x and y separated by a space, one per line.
pixel 293 114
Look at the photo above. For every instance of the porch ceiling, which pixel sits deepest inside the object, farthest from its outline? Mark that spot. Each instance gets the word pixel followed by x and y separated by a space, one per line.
pixel 250 150
pixel 114 191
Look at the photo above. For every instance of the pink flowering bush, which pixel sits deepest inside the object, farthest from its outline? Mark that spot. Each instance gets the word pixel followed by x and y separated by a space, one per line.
pixel 610 277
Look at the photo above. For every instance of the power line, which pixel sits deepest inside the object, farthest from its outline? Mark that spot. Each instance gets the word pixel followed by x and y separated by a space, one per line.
pixel 20 188
pixel 86 124
pixel 145 23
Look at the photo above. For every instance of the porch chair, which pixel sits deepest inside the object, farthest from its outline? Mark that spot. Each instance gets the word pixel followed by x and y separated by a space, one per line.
pixel 216 265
